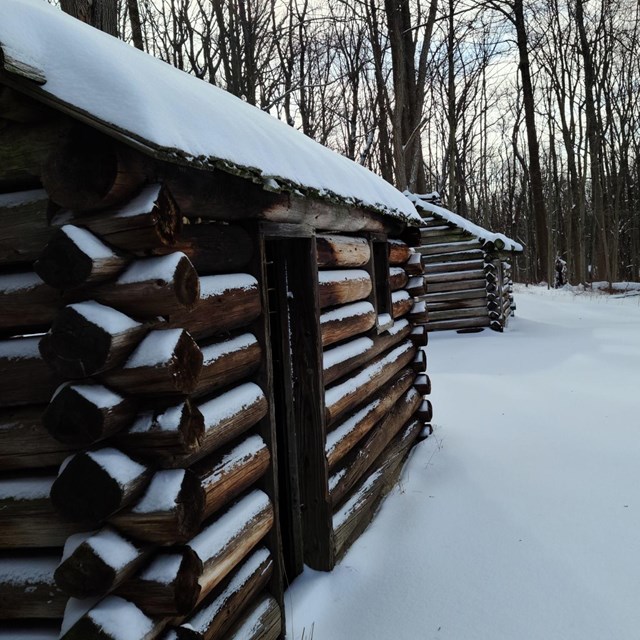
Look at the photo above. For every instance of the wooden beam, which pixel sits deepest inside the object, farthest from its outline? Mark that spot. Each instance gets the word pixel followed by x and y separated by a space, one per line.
pixel 342 251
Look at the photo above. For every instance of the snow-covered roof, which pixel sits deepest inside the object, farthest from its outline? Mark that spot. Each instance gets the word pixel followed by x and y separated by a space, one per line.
pixel 176 116
pixel 424 203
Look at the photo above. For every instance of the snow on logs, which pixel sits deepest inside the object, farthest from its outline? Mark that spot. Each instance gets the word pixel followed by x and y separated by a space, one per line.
pixel 80 414
pixel 27 303
pixel 87 338
pixel 166 361
pixel 374 444
pixel 28 515
pixel 96 562
pixel 177 501
pixel 341 360
pixel 226 302
pixel 351 430
pixel 75 257
pixel 341 286
pixel 221 608
pixel 347 321
pixel 28 589
pixel 26 377
pixel 349 393
pixel 175 582
pixel 150 221
pixel 92 485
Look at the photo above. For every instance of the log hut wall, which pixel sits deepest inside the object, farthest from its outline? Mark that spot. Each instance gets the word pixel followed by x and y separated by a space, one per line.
pixel 468 278
pixel 138 473
pixel 136 434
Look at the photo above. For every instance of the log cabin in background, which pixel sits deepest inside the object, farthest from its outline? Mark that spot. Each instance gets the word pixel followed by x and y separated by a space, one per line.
pixel 468 270
pixel 210 361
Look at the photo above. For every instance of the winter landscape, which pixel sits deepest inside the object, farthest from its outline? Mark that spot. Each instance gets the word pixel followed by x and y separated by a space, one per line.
pixel 519 517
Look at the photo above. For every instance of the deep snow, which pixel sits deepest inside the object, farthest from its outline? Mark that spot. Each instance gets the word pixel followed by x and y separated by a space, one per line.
pixel 519 519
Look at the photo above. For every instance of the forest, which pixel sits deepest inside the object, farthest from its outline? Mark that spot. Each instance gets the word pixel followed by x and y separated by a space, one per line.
pixel 523 116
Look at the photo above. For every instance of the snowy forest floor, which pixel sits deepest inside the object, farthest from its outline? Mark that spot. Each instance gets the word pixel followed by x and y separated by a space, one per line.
pixel 519 518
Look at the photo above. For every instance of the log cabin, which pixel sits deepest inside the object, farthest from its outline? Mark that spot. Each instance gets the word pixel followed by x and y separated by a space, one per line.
pixel 211 364
pixel 468 270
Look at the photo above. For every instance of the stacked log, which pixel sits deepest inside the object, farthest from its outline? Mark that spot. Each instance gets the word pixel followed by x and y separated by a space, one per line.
pixel 136 425
pixel 371 359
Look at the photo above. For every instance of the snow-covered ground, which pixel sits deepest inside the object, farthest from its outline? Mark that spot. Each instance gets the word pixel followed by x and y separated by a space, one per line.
pixel 520 517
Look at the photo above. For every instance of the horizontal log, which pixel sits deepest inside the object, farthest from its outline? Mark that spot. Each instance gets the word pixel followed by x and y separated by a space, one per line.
pixel 422 384
pixel 169 511
pixel 463 323
pixel 356 513
pixel 454 276
pixel 167 361
pixel 228 601
pixel 416 286
pixel 481 301
pixel 74 256
pixel 153 287
pixel 227 474
pixel 28 515
pixel 454 296
pixel 227 416
pixel 348 394
pixel 263 621
pixel 418 313
pixel 26 377
pixel 104 622
pixel 399 252
pixel 226 302
pixel 449 248
pixel 28 589
pixel 215 248
pixel 374 444
pixel 93 485
pixel 348 432
pixel 95 563
pixel 323 215
pixel 224 543
pixel 88 170
pixel 167 587
pixel 342 286
pixel 25 443
pixel 398 278
pixel 342 251
pixel 341 360
pixel 177 500
pixel 425 411
pixel 28 304
pixel 23 226
pixel 227 361
pixel 496 325
pixel 419 362
pixel 450 314
pixel 165 434
pixel 150 221
pixel 414 265
pixel 345 322
pixel 23 151
pixel 81 414
pixel 456 256
pixel 452 267
pixel 431 236
pixel 464 285
pixel 401 303
pixel 88 338
pixel 419 336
